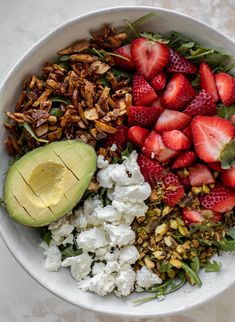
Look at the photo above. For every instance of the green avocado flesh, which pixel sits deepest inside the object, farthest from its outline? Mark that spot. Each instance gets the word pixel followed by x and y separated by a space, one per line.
pixel 48 182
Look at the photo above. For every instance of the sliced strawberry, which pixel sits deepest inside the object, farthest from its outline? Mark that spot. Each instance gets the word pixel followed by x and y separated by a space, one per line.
pixel 207 81
pixel 154 148
pixel 226 87
pixel 176 140
pixel 210 135
pixel 142 92
pixel 125 64
pixel 178 93
pixel 191 216
pixel 157 103
pixel 199 174
pixel 188 132
pixel 158 82
pixel 228 177
pixel 184 160
pixel 149 57
pixel 220 198
pixel 137 135
pixel 173 191
pixel 184 179
pixel 171 120
pixel 145 116
pixel 119 138
pixel 202 104
pixel 179 64
pixel 151 170
pixel 216 166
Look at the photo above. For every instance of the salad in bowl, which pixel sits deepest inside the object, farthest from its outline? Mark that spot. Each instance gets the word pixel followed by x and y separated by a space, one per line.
pixel 123 159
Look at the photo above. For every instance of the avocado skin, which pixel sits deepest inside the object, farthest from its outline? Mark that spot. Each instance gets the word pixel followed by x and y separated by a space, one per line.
pixel 35 206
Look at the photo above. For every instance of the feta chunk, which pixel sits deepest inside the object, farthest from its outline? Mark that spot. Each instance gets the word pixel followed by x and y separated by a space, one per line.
pixel 100 284
pixel 91 204
pixel 135 209
pixel 59 234
pixel 101 162
pixel 80 265
pixel 133 169
pixel 78 219
pixel 125 281
pixel 146 278
pixel 104 177
pixel 98 268
pixel 53 258
pixel 113 148
pixel 128 255
pixel 111 267
pixel 120 235
pixel 133 193
pixel 92 239
pixel 108 213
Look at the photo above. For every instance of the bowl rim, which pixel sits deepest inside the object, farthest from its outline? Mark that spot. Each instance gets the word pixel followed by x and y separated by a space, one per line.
pixel 54 31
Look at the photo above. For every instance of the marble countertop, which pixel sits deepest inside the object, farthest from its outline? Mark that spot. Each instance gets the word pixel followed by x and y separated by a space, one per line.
pixel 22 23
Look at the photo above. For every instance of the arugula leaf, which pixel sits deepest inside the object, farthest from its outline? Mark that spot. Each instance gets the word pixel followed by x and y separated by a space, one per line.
pixel 226 245
pixel 121 74
pixel 193 275
pixel 129 149
pixel 154 37
pixel 193 228
pixel 64 58
pixel 45 234
pixel 213 266
pixel 227 156
pixel 70 252
pixel 226 112
pixel 56 111
pixel 60 99
pixel 29 129
pixel 131 26
pixel 195 264
pixel 231 232
pixel 164 267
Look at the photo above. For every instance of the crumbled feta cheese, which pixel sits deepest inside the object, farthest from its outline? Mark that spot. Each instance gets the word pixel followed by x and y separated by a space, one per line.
pixel 53 258
pixel 113 147
pixel 92 239
pixel 98 268
pixel 59 234
pixel 100 253
pixel 78 219
pixel 146 278
pixel 60 222
pixel 100 284
pixel 90 205
pixel 133 169
pixel 119 175
pixel 108 213
pixel 120 235
pixel 111 267
pixel 101 162
pixel 104 177
pixel 132 193
pixel 125 281
pixel 68 240
pixel 112 256
pixel 131 208
pixel 128 255
pixel 80 265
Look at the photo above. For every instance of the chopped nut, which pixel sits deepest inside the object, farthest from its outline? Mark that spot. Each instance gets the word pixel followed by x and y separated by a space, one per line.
pixel 166 210
pixel 102 127
pixel 160 231
pixel 100 67
pixel 84 58
pixel 159 254
pixel 91 114
pixel 41 130
pixel 175 262
pixel 150 264
pixel 75 48
pixel 173 224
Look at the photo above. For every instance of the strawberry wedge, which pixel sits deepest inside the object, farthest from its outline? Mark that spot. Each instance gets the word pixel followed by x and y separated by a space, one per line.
pixel 210 136
pixel 142 92
pixel 171 120
pixel 207 81
pixel 149 57
pixel 145 116
pixel 126 62
pixel 179 64
pixel 173 191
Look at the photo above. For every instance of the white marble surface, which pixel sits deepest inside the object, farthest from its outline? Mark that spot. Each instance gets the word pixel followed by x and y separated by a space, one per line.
pixel 22 23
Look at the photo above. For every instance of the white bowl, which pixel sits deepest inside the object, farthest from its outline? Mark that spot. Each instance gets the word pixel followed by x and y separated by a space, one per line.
pixel 24 242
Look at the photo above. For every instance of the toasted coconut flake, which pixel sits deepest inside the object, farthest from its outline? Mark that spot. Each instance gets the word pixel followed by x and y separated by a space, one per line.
pixel 41 130
pixel 40 116
pixel 55 135
pixel 19 117
pixel 43 97
pixel 103 127
pixel 104 98
pixel 20 100
pixel 91 114
pixel 84 58
pixel 100 67
pixel 81 113
pixel 89 93
pixel 75 47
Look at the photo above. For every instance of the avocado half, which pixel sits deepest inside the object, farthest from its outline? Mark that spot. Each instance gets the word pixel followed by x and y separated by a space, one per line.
pixel 48 182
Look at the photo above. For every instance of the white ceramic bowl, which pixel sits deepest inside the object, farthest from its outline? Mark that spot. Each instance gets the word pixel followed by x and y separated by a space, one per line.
pixel 24 242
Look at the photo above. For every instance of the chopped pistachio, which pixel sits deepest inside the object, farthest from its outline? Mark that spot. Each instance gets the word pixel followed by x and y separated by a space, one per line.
pixel 149 264
pixel 175 262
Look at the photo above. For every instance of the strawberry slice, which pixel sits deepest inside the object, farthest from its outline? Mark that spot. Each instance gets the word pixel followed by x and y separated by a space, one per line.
pixel 184 179
pixel 220 199
pixel 178 93
pixel 144 116
pixel 188 132
pixel 142 92
pixel 191 216
pixel 157 103
pixel 202 104
pixel 119 138
pixel 137 135
pixel 228 177
pixel 173 191
pixel 176 140
pixel 171 120
pixel 149 57
pixel 210 136
pixel 154 148
pixel 207 81
pixel 179 64
pixel 184 160
pixel 124 51
pixel 199 174
pixel 226 87
pixel 216 166
pixel 159 81
pixel 151 170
